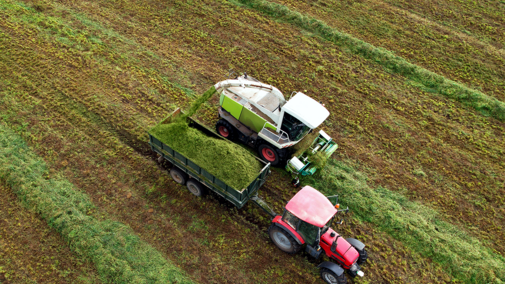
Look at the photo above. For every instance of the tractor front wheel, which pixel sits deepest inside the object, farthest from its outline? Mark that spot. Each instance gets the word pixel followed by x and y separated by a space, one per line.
pixel 363 256
pixel 283 240
pixel 331 278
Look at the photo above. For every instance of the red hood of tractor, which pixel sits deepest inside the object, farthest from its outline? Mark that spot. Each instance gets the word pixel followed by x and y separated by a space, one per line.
pixel 311 206
pixel 344 248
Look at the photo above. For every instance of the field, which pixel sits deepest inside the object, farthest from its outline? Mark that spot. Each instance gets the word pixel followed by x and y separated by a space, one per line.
pixel 416 95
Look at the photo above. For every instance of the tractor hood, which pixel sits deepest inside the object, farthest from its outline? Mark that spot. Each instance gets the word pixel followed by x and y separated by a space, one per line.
pixel 306 110
pixel 343 248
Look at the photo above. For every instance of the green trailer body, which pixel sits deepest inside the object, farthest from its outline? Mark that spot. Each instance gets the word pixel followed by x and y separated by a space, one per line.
pixel 238 197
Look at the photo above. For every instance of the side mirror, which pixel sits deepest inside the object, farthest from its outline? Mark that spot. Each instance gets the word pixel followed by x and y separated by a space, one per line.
pixel 343 210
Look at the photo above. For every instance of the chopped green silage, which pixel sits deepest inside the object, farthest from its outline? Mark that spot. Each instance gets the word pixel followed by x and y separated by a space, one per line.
pixel 196 104
pixel 318 159
pixel 118 254
pixel 230 163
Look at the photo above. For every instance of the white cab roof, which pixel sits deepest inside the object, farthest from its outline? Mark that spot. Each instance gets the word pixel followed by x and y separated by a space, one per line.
pixel 306 110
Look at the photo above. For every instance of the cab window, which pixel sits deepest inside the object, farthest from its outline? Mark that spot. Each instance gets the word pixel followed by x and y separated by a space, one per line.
pixel 290 219
pixel 308 232
pixel 293 127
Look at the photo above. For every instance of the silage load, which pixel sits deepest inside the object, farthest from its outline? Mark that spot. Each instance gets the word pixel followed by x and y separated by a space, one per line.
pixel 226 161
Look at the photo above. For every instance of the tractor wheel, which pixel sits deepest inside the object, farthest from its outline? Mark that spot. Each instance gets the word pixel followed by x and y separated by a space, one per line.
pixel 225 129
pixel 331 278
pixel 179 176
pixel 283 240
pixel 276 157
pixel 196 188
pixel 363 256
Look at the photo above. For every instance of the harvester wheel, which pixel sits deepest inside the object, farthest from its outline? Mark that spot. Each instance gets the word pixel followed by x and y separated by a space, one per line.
pixel 331 278
pixel 196 188
pixel 283 240
pixel 179 176
pixel 225 129
pixel 276 157
pixel 363 256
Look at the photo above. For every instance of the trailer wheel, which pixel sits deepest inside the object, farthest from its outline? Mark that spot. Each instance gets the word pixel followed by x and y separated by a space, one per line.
pixel 331 278
pixel 179 176
pixel 225 129
pixel 196 188
pixel 283 240
pixel 276 157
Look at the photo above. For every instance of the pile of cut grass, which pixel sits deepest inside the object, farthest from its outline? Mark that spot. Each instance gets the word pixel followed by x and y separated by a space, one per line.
pixel 118 254
pixel 230 163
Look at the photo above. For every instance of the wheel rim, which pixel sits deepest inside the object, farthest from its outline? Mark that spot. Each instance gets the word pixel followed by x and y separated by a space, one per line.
pixel 269 154
pixel 223 131
pixel 177 177
pixel 193 189
pixel 328 277
pixel 282 241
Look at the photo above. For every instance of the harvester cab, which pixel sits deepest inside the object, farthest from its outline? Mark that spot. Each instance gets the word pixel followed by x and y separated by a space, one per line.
pixel 307 221
pixel 257 114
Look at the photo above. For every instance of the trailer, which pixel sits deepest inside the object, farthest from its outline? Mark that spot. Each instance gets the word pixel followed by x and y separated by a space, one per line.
pixel 198 180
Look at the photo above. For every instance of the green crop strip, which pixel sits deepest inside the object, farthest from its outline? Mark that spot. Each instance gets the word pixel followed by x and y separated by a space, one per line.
pixel 423 78
pixel 118 254
pixel 415 225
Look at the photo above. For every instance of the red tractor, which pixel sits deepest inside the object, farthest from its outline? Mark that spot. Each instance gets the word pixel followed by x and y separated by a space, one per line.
pixel 306 220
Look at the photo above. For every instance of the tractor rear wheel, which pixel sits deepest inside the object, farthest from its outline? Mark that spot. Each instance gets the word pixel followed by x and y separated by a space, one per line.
pixel 331 278
pixel 225 129
pixel 276 157
pixel 283 240
pixel 179 176
pixel 196 188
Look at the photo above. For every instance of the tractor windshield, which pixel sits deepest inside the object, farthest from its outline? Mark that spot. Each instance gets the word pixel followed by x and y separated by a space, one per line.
pixel 293 127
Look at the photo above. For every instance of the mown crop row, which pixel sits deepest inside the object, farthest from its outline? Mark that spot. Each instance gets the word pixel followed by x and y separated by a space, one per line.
pixel 431 81
pixel 434 44
pixel 118 254
pixel 30 252
pixel 414 224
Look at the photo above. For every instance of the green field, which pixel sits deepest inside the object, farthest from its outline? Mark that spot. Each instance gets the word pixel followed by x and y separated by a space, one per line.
pixel 417 101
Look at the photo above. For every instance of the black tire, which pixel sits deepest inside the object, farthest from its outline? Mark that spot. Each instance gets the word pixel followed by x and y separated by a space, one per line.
pixel 283 240
pixel 276 157
pixel 225 129
pixel 363 256
pixel 196 188
pixel 332 278
pixel 178 176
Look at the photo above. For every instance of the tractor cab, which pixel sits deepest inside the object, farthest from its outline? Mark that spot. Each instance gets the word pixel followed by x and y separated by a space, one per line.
pixel 307 221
